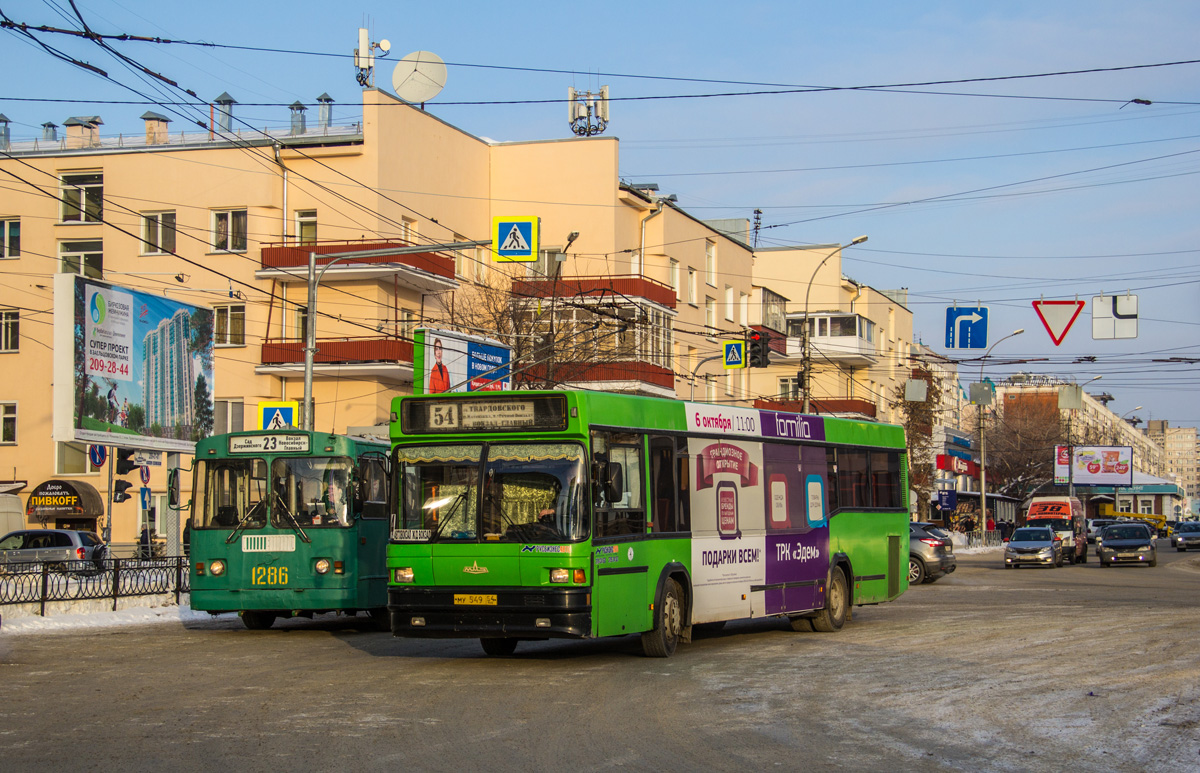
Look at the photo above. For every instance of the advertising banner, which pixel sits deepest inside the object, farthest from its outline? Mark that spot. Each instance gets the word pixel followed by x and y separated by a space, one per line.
pixel 448 361
pixel 1062 465
pixel 1102 466
pixel 130 368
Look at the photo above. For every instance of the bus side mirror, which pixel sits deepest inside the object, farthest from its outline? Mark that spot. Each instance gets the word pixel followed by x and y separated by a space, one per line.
pixel 613 488
pixel 173 491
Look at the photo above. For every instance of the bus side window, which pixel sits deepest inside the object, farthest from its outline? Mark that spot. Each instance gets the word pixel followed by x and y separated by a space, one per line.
pixel 617 479
pixel 373 487
pixel 683 480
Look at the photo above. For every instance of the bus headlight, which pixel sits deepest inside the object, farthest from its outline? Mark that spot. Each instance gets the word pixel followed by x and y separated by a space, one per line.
pixel 322 565
pixel 403 574
pixel 217 568
pixel 560 575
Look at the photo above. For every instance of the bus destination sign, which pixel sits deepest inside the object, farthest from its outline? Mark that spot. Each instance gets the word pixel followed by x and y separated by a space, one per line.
pixel 481 414
pixel 268 443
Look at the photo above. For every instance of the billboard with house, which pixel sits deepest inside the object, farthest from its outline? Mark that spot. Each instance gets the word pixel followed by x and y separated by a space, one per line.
pixel 130 368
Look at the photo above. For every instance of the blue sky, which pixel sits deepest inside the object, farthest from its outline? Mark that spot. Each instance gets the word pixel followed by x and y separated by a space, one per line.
pixel 1073 193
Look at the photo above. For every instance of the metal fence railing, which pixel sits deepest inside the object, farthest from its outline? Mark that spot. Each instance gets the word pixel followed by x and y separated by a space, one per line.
pixel 39 582
pixel 991 539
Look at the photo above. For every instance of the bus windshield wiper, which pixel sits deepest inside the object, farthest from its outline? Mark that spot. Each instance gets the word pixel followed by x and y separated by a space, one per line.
pixel 295 524
pixel 458 500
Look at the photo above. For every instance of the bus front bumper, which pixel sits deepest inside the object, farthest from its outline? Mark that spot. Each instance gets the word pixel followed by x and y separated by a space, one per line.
pixel 533 613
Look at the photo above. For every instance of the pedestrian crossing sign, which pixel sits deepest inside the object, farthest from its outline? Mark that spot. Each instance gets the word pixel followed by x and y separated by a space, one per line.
pixel 735 354
pixel 280 414
pixel 515 239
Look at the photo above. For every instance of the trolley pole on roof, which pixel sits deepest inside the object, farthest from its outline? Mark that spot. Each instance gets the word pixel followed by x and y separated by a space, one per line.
pixel 314 281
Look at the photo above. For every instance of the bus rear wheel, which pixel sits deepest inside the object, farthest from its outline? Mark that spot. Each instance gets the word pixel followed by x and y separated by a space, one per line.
pixel 837 604
pixel 498 648
pixel 661 641
pixel 256 620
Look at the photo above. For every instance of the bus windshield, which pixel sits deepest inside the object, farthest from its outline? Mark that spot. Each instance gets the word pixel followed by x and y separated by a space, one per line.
pixel 230 492
pixel 311 492
pixel 497 492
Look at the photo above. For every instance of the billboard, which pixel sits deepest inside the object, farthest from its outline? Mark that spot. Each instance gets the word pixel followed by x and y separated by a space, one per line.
pixel 1102 466
pixel 130 368
pixel 447 361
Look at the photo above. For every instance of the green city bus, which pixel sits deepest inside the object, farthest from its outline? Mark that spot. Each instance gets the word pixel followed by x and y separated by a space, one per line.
pixel 289 523
pixel 532 515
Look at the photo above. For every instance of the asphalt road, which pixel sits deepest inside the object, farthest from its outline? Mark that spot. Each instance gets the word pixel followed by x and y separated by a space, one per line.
pixel 1075 668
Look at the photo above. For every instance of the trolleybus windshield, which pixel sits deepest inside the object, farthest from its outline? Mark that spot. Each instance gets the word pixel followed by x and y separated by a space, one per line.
pixel 495 492
pixel 312 491
pixel 231 492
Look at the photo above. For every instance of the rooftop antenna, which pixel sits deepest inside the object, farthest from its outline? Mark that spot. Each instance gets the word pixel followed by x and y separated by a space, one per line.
pixel 587 112
pixel 419 77
pixel 364 57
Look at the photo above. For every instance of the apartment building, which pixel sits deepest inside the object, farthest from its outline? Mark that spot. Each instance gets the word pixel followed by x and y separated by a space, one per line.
pixel 1181 455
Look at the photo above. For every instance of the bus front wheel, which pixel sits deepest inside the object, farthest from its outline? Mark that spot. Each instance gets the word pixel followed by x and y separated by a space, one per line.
pixel 256 620
pixel 668 624
pixel 837 604
pixel 499 648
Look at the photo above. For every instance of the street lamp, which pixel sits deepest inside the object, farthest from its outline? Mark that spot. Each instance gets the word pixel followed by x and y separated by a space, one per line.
pixel 805 352
pixel 983 442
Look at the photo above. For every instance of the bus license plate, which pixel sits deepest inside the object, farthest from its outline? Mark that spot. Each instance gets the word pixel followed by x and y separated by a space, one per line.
pixel 475 599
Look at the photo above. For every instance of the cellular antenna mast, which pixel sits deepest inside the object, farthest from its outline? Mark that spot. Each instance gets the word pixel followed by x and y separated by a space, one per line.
pixel 587 112
pixel 364 57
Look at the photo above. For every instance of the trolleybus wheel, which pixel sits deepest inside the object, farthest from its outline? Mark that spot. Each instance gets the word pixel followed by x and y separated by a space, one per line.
pixel 256 620
pixel 837 604
pixel 660 642
pixel 498 648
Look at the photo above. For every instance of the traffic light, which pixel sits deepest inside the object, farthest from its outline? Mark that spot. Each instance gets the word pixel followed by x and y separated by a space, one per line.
pixel 119 491
pixel 125 463
pixel 758 353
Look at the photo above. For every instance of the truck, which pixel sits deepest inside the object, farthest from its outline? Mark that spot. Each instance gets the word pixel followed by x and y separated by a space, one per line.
pixel 1065 516
pixel 1155 521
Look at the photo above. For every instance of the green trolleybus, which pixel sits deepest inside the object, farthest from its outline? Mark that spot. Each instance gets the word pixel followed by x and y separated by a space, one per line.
pixel 289 523
pixel 531 515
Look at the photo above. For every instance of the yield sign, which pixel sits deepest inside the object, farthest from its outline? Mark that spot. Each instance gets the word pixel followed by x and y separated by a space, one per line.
pixel 1057 317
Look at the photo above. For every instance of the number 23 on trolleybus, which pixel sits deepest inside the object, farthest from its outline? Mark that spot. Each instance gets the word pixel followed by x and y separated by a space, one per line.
pixel 289 523
pixel 536 515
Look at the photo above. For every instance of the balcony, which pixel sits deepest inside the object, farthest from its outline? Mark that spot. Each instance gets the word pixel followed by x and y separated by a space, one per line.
pixel 384 358
pixel 842 407
pixel 636 376
pixel 616 287
pixel 426 272
pixel 843 339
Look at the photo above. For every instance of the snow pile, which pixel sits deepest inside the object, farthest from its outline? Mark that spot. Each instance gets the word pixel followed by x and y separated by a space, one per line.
pixel 130 616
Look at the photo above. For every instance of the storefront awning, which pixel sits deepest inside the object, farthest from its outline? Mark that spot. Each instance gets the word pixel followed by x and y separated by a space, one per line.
pixel 62 499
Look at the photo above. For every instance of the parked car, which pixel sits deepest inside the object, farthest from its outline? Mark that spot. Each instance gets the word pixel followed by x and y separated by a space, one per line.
pixel 1033 546
pixel 1129 543
pixel 930 553
pixel 1095 526
pixel 1187 535
pixel 52 545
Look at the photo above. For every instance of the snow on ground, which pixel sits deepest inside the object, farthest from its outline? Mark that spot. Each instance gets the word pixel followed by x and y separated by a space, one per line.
pixel 131 616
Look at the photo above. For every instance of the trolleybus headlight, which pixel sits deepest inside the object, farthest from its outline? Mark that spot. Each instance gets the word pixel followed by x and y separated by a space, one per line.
pixel 560 575
pixel 217 568
pixel 322 565
pixel 403 574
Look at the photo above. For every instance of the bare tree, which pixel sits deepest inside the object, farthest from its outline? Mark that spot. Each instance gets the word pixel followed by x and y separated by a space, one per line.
pixel 1020 444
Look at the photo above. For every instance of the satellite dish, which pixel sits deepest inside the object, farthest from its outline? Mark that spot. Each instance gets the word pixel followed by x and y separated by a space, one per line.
pixel 419 77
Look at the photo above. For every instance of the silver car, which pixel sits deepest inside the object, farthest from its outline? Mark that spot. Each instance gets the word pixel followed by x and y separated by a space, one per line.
pixel 1033 546
pixel 55 545
pixel 1187 535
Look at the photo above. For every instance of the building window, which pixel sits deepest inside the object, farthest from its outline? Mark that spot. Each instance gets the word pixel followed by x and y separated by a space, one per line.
pixel 710 389
pixel 710 316
pixel 228 416
pixel 744 304
pixel 461 257
pixel 8 422
pixel 710 261
pixel 408 229
pixel 691 287
pixel 72 459
pixel 158 233
pixel 10 330
pixel 84 258
pixel 547 264
pixel 789 389
pixel 306 226
pixel 302 323
pixel 729 303
pixel 229 325
pixel 673 276
pixel 229 230
pixel 82 198
pixel 408 324
pixel 10 238
pixel 480 265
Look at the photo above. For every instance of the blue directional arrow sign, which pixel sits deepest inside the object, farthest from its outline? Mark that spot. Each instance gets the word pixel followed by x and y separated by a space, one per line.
pixel 966 328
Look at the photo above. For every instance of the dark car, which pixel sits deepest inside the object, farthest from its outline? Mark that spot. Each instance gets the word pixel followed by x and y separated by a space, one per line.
pixel 1033 546
pixel 1127 543
pixel 1187 535
pixel 930 553
pixel 57 545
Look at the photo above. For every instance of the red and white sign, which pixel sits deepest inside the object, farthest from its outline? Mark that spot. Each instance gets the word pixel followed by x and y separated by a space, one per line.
pixel 957 465
pixel 1058 316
